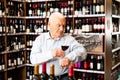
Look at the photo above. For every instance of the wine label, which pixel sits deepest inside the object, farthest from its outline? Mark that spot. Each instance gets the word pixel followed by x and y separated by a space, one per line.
pixel 0 12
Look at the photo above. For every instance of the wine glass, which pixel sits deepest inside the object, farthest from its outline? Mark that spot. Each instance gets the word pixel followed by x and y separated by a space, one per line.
pixel 64 46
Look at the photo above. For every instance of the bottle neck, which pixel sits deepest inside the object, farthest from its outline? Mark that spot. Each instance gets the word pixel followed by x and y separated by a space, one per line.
pixel 44 67
pixel 36 69
pixel 51 69
pixel 70 71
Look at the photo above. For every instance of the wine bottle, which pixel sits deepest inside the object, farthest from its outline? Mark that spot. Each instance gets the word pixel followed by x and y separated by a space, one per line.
pixel 30 10
pixel 29 73
pixel 20 26
pixel 85 64
pixel 9 60
pixel 52 76
pixel 28 27
pixel 15 59
pixel 11 26
pixel 3 62
pixel 22 57
pixel 97 7
pixel 103 25
pixel 36 72
pixel 100 63
pixel 102 10
pixel 20 9
pixel 1 28
pixel 31 41
pixel 22 42
pixel 44 75
pixel 28 41
pixel 0 8
pixel 94 6
pixel 70 73
pixel 95 27
pixel 18 59
pixel 76 27
pixel 2 47
pixel 0 63
pixel 28 57
pixel 91 62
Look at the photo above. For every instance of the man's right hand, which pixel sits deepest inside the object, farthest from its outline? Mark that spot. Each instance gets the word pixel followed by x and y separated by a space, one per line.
pixel 57 52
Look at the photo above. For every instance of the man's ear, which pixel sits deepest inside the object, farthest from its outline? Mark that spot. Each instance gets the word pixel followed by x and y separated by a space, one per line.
pixel 48 25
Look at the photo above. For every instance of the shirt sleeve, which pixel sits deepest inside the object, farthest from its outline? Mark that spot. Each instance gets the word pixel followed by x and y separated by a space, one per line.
pixel 78 52
pixel 37 56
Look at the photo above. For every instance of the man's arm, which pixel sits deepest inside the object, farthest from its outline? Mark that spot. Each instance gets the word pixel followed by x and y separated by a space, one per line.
pixel 77 53
pixel 37 56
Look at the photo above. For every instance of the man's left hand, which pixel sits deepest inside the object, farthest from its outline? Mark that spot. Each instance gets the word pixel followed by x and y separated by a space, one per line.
pixel 64 62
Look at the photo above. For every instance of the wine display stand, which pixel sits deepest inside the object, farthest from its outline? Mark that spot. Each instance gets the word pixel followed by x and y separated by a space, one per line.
pixel 94 23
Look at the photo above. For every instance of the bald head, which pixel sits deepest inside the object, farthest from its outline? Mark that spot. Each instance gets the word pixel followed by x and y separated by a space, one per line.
pixel 55 16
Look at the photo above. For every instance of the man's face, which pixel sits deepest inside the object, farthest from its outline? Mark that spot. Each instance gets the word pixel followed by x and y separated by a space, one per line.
pixel 57 27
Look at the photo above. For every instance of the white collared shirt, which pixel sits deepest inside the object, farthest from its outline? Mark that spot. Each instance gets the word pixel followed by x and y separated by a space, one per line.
pixel 43 44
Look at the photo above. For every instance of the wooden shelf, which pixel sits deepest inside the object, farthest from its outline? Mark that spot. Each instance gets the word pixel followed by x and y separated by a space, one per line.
pixel 115 66
pixel 14 67
pixel 116 49
pixel 115 33
pixel 116 16
pixel 92 15
pixel 35 17
pixel 90 71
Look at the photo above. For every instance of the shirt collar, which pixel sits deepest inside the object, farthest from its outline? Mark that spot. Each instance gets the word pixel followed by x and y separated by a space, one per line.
pixel 48 37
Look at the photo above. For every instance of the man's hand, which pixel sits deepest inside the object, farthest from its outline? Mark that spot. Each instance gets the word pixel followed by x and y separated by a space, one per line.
pixel 57 52
pixel 64 62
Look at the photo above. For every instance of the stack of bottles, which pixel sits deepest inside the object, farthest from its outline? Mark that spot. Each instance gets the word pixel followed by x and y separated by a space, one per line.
pixel 44 76
pixel 92 68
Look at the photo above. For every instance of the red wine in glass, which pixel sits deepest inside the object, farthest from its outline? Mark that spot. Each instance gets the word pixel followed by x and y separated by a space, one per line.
pixel 64 47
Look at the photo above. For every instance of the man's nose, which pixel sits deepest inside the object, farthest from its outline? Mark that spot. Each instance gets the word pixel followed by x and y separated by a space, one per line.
pixel 61 27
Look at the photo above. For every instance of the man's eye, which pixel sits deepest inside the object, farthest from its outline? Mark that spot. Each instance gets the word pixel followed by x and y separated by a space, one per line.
pixel 59 25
